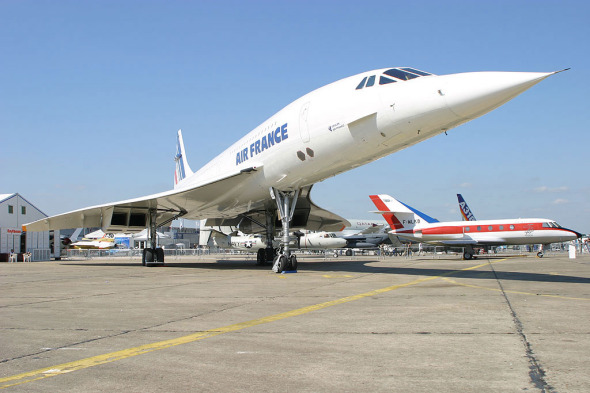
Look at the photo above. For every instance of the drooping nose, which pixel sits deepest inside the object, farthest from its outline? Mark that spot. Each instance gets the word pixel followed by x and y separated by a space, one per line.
pixel 470 95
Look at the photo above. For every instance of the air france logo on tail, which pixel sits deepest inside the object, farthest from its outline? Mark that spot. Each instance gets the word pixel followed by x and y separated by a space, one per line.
pixel 266 142
pixel 465 210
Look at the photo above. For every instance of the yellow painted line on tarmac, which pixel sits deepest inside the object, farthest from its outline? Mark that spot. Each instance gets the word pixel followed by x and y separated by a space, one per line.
pixel 76 365
pixel 515 292
pixel 337 276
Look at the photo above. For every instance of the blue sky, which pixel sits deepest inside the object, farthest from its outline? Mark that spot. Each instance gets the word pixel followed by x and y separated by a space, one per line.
pixel 92 93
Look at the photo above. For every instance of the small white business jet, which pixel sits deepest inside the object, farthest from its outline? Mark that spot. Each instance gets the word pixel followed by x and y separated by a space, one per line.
pixel 413 225
pixel 264 179
pixel 257 243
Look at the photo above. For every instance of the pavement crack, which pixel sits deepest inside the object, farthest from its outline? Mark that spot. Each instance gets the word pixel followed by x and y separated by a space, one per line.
pixel 536 371
pixel 46 350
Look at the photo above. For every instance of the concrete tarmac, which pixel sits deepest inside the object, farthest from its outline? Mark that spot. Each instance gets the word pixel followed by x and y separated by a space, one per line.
pixel 338 325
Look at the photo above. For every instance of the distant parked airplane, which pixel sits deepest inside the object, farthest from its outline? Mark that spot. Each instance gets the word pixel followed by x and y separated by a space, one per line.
pixel 409 223
pixel 257 243
pixel 466 212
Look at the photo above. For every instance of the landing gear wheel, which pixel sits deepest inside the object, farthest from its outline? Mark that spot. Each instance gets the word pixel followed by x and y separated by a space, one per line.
pixel 348 253
pixel 467 255
pixel 293 262
pixel 282 264
pixel 270 255
pixel 540 254
pixel 261 256
pixel 147 257
pixel 159 255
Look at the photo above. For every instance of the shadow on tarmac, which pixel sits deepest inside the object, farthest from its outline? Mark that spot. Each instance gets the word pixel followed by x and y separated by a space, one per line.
pixel 362 266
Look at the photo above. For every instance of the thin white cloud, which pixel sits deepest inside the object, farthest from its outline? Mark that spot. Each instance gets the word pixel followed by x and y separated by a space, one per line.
pixel 465 185
pixel 543 189
pixel 560 201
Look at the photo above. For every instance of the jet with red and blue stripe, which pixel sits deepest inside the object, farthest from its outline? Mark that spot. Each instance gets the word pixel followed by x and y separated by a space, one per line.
pixel 411 224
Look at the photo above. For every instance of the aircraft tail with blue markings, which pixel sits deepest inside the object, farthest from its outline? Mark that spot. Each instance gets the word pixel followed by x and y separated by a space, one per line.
pixel 398 215
pixel 183 170
pixel 466 213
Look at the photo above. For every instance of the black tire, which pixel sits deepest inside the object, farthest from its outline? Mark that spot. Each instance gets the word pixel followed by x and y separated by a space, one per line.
pixel 148 256
pixel 282 264
pixel 159 255
pixel 270 255
pixel 293 262
pixel 348 253
pixel 261 256
pixel 467 256
pixel 540 254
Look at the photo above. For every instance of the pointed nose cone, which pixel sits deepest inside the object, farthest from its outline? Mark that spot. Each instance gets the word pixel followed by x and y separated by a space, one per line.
pixel 574 234
pixel 470 95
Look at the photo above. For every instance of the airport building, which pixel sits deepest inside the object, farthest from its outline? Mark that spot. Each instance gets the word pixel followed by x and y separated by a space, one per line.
pixel 14 212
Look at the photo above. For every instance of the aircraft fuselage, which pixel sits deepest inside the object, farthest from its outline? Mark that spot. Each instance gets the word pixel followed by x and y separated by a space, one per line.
pixel 341 126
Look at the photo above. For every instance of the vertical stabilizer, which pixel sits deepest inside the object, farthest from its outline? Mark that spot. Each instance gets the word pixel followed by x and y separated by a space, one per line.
pixel 466 213
pixel 183 170
pixel 398 215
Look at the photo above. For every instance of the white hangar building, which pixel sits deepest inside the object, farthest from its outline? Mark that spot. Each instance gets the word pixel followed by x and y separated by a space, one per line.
pixel 14 212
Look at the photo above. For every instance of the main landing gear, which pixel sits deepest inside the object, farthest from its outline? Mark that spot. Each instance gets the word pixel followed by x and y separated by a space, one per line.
pixel 266 255
pixel 154 255
pixel 469 253
pixel 286 201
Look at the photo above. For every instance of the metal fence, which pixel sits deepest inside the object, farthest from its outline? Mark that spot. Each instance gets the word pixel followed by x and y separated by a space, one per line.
pixel 386 252
pixel 40 254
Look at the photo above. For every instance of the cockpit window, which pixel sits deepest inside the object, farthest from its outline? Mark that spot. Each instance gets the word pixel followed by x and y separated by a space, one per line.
pixel 391 76
pixel 417 72
pixel 400 74
pixel 362 84
pixel 384 80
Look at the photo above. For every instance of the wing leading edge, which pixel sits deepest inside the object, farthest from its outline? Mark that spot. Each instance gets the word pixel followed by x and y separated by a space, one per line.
pixel 132 215
pixel 215 201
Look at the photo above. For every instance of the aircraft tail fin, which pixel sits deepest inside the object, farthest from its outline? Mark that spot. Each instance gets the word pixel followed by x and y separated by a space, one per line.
pixel 183 170
pixel 399 215
pixel 466 213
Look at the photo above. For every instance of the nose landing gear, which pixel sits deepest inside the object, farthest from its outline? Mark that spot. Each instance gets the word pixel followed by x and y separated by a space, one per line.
pixel 286 201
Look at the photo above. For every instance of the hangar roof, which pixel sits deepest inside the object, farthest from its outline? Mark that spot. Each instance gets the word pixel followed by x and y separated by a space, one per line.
pixel 5 197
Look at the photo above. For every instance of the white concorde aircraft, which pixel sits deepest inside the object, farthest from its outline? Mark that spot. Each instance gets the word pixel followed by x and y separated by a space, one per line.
pixel 333 129
pixel 411 224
